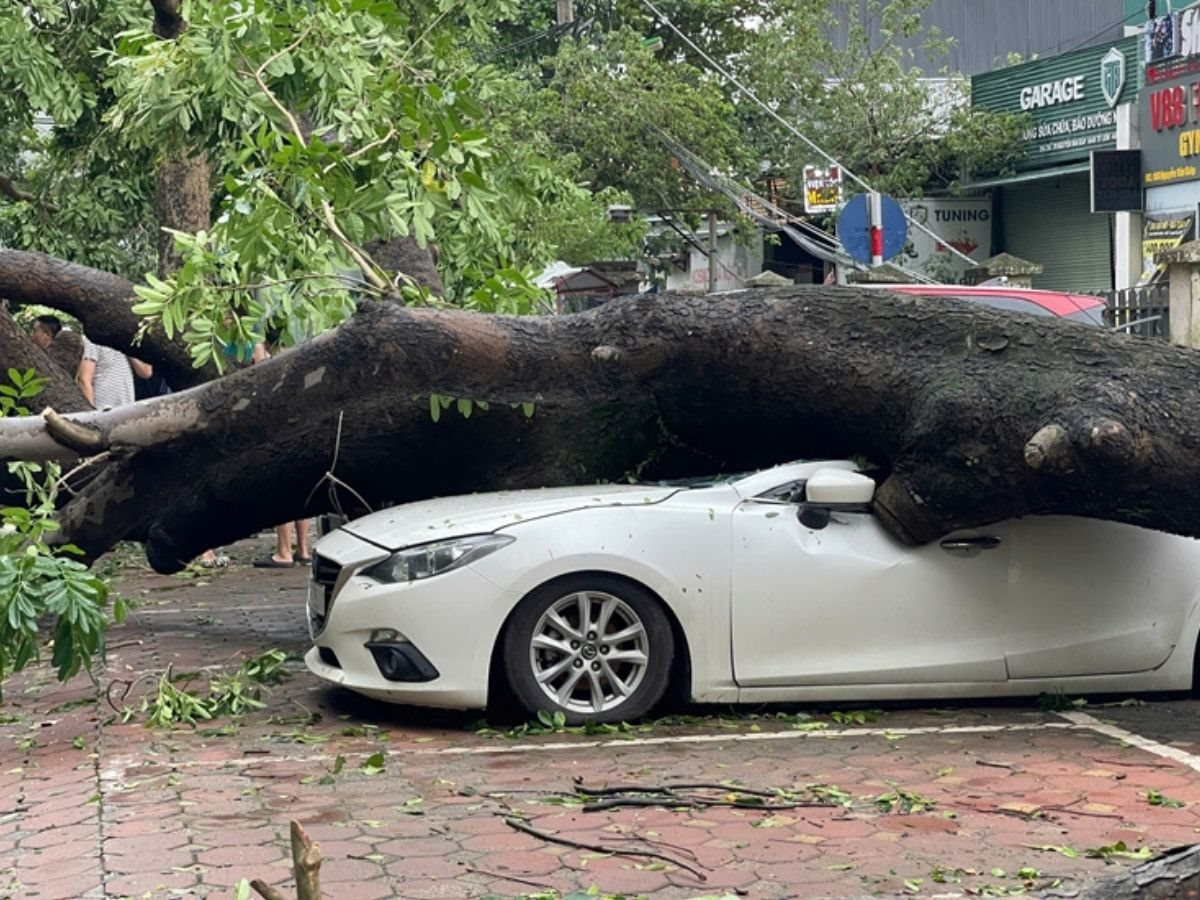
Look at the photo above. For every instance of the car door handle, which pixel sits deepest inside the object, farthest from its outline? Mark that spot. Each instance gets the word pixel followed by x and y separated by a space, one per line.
pixel 970 546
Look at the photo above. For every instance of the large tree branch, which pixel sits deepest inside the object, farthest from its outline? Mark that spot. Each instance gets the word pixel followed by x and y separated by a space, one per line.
pixel 958 404
pixel 10 189
pixel 18 351
pixel 103 302
pixel 169 24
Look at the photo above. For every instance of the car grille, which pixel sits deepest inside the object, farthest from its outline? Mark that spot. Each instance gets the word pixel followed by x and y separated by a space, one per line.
pixel 325 574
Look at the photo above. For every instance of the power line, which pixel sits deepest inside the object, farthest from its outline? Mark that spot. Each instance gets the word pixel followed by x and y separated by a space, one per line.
pixel 1106 29
pixel 791 128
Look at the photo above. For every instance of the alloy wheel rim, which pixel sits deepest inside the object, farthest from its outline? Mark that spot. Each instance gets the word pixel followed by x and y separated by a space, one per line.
pixel 589 652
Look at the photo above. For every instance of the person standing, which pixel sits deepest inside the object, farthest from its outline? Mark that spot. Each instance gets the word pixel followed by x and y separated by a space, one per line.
pixel 106 375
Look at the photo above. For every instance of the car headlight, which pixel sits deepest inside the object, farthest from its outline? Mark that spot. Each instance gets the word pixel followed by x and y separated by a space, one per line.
pixel 427 560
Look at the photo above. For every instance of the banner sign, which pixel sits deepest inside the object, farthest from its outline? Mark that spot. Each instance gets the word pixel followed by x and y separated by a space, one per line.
pixel 1162 231
pixel 964 224
pixel 1169 124
pixel 1070 100
pixel 822 189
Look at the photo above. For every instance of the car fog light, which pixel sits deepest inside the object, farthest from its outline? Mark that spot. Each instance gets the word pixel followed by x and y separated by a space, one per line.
pixel 386 636
pixel 399 660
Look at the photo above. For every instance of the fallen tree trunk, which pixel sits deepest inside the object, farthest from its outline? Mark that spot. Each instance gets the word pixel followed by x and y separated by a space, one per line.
pixel 975 415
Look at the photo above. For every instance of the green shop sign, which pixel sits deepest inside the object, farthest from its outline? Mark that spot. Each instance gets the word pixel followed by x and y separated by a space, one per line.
pixel 1070 100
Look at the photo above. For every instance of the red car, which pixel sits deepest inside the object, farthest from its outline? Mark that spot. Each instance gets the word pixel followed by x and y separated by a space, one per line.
pixel 1077 307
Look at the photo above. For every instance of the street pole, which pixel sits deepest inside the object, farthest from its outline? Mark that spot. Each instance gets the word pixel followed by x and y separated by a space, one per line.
pixel 712 251
pixel 566 12
pixel 875 223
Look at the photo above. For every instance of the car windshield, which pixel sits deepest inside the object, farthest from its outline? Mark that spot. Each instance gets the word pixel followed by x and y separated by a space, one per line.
pixel 699 481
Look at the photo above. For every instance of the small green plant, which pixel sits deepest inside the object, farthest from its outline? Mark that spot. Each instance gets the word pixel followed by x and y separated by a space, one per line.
pixel 1057 701
pixel 39 578
pixel 229 694
pixel 903 802
pixel 22 386
pixel 1154 798
pixel 855 717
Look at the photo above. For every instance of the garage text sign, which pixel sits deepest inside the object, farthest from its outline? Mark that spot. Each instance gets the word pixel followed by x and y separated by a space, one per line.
pixel 1070 100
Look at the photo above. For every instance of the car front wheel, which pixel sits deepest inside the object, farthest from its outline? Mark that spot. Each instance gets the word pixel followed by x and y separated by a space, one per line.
pixel 592 647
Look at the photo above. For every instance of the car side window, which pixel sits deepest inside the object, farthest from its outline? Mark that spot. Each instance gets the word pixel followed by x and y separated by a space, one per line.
pixel 791 492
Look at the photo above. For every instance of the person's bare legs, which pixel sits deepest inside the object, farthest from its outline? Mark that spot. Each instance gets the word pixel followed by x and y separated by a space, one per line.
pixel 282 557
pixel 303 551
pixel 283 543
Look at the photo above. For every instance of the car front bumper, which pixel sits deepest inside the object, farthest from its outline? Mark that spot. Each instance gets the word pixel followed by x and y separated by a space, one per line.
pixel 451 621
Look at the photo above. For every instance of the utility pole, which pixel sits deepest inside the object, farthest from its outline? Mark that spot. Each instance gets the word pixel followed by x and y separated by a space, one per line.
pixel 712 251
pixel 566 12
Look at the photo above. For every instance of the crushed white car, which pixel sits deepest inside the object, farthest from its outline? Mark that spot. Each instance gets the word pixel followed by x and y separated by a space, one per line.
pixel 776 586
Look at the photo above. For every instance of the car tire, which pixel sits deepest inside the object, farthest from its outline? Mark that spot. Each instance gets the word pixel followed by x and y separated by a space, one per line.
pixel 614 671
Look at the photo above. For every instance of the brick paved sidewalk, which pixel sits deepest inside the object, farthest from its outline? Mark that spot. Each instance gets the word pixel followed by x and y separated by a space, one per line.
pixel 91 808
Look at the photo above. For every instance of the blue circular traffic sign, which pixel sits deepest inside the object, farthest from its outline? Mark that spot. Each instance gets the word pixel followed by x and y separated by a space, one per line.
pixel 854 227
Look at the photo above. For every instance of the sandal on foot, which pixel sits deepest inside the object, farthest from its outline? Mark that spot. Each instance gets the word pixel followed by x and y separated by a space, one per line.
pixel 217 562
pixel 270 562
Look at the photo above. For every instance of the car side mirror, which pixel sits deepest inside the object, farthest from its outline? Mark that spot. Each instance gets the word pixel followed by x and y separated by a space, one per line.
pixel 833 490
pixel 814 517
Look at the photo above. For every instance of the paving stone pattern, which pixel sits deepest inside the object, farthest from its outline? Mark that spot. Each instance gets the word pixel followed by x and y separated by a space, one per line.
pixel 91 807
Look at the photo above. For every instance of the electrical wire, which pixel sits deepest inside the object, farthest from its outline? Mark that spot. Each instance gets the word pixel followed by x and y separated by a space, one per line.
pixel 1103 31
pixel 716 67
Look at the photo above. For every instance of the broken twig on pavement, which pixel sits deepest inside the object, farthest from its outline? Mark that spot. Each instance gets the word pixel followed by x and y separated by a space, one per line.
pixel 523 826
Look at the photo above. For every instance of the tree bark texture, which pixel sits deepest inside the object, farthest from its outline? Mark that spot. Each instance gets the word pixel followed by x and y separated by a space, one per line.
pixel 974 415
pixel 1173 876
pixel 18 351
pixel 182 201
pixel 103 302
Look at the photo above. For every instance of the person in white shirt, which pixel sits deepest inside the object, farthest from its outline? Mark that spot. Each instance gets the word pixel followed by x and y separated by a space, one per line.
pixel 105 375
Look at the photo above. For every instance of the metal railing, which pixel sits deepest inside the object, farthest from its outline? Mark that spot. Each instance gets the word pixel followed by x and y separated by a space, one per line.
pixel 1139 310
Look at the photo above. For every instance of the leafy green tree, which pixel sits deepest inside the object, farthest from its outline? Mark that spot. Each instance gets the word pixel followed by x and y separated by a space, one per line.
pixel 861 97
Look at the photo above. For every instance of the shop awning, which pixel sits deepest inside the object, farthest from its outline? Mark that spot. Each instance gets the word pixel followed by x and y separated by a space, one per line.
pixel 1022 177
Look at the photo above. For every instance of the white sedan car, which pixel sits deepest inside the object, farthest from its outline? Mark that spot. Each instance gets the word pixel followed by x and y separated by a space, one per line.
pixel 776 586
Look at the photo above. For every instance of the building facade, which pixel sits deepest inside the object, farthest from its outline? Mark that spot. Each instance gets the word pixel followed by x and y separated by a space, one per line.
pixel 1076 103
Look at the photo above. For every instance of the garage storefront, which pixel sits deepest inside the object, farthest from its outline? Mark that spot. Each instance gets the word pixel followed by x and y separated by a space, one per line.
pixel 1075 103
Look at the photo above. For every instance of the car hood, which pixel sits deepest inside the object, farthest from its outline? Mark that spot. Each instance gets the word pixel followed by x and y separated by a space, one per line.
pixel 434 520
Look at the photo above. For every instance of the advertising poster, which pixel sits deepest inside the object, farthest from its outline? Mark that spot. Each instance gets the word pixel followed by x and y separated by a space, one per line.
pixel 1162 38
pixel 964 224
pixel 822 189
pixel 1162 231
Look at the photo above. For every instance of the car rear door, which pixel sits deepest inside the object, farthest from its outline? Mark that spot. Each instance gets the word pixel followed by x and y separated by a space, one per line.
pixel 848 604
pixel 1089 597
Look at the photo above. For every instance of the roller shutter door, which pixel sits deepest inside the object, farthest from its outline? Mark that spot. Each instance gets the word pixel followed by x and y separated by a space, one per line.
pixel 1049 222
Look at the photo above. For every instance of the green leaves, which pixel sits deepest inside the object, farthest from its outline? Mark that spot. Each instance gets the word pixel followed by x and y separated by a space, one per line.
pixel 373 764
pixel 236 693
pixel 38 580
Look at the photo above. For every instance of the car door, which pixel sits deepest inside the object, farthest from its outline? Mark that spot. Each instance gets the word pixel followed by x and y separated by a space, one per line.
pixel 1089 597
pixel 848 604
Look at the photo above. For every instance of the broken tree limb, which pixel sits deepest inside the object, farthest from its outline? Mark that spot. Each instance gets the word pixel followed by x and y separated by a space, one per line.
pixel 18 351
pixel 306 864
pixel 526 828
pixel 943 396
pixel 103 302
